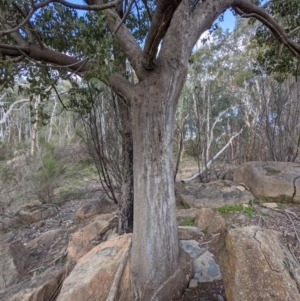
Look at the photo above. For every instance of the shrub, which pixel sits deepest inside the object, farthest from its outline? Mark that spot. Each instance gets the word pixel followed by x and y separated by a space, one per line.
pixel 46 173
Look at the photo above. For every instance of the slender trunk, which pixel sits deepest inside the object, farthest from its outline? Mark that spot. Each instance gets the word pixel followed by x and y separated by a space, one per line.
pixel 126 203
pixel 34 127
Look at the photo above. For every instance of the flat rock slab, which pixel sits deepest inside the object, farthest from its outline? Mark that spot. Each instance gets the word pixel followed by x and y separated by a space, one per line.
pixel 37 213
pixel 42 287
pixel 276 180
pixel 188 232
pixel 191 247
pixel 256 266
pixel 206 269
pixel 82 240
pixel 46 238
pixel 92 277
pixel 213 195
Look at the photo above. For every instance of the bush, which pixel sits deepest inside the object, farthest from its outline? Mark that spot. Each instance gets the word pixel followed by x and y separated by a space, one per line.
pixel 47 173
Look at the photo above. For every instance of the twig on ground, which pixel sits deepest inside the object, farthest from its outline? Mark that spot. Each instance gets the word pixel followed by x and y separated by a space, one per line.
pixel 295 230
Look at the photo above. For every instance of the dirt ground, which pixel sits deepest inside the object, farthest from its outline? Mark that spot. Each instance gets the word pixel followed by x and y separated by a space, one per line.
pixel 285 221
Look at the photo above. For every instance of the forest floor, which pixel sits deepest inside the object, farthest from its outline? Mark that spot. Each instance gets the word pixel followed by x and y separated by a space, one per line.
pixel 285 220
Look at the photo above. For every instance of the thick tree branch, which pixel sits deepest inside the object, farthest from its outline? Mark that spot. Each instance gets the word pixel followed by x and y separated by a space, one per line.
pixel 47 55
pixel 247 9
pixel 160 23
pixel 127 42
pixel 122 87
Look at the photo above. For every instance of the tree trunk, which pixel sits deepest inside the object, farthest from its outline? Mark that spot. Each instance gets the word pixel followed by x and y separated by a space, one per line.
pixel 155 250
pixel 126 202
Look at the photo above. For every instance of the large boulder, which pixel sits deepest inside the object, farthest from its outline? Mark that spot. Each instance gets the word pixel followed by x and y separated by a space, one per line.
pixel 209 222
pixel 43 287
pixel 277 180
pixel 256 266
pixel 92 277
pixel 83 240
pixel 213 195
pixel 13 259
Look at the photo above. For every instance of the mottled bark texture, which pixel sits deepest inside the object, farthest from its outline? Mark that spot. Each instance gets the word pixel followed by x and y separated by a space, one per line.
pixel 153 100
pixel 127 200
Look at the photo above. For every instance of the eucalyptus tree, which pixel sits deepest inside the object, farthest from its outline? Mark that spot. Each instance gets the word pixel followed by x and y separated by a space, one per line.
pixel 35 31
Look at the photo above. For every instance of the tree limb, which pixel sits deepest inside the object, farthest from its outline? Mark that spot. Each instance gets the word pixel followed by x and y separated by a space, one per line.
pixel 160 23
pixel 48 55
pixel 247 9
pixel 6 114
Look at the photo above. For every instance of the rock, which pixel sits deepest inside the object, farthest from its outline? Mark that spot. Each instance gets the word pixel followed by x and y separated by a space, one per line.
pixel 270 205
pixel 193 283
pixel 37 213
pixel 81 241
pixel 277 180
pixel 191 247
pixel 40 224
pixel 111 233
pixel 42 287
pixel 92 277
pixel 188 232
pixel 240 188
pixel 208 221
pixel 8 237
pixel 91 208
pixel 256 266
pixel 220 298
pixel 206 269
pixel 9 223
pixel 46 238
pixel 213 195
pixel 13 258
pixel 185 213
pixel 107 216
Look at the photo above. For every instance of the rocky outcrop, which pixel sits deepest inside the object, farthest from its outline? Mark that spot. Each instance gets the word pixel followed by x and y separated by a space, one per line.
pixel 208 221
pixel 212 195
pixel 92 277
pixel 43 287
pixel 91 208
pixel 277 180
pixel 86 238
pixel 13 258
pixel 256 266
